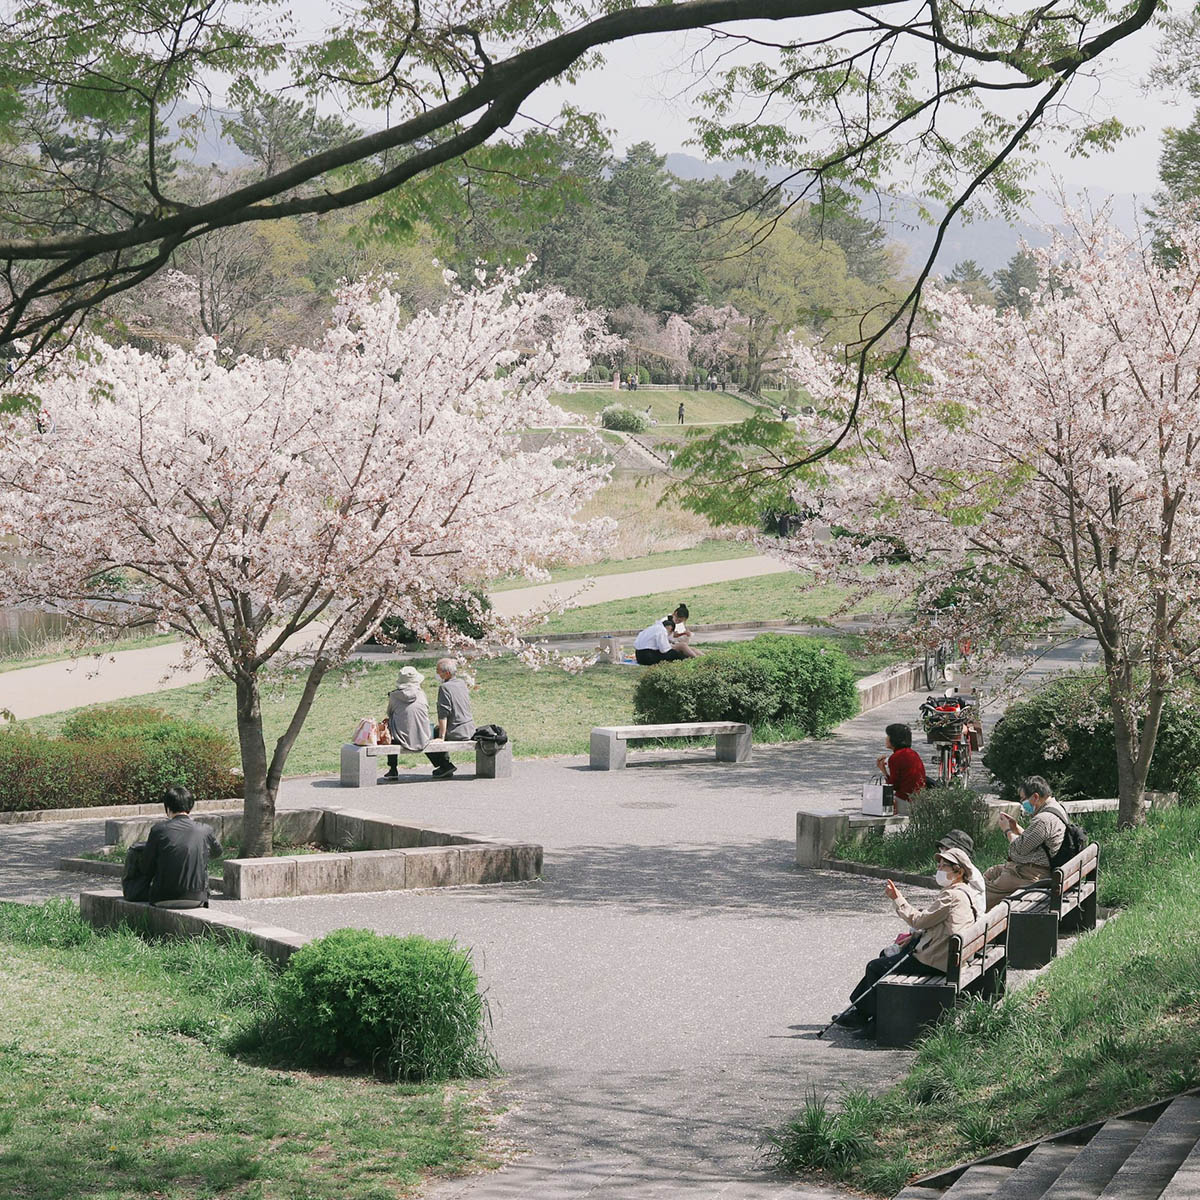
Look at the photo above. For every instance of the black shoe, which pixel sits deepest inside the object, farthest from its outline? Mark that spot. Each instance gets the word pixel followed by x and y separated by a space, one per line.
pixel 391 775
pixel 866 1030
pixel 851 1018
pixel 444 772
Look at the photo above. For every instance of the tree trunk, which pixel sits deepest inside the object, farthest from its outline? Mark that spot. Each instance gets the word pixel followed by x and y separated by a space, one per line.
pixel 1133 767
pixel 258 828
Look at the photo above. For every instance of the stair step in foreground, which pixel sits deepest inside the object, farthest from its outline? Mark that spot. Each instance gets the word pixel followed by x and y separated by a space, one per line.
pixel 977 1183
pixel 1030 1180
pixel 1148 1170
pixel 1186 1184
pixel 1098 1161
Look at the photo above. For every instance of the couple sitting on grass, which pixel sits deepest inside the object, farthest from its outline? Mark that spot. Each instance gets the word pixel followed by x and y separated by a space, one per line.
pixel 665 640
pixel 965 896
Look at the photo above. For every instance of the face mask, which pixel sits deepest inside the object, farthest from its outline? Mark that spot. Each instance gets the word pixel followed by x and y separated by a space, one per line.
pixel 943 878
pixel 1027 808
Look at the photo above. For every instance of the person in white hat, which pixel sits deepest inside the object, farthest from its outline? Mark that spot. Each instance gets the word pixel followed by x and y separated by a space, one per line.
pixel 408 716
pixel 955 910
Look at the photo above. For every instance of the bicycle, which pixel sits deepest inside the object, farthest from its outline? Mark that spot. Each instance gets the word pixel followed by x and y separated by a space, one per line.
pixel 935 665
pixel 949 722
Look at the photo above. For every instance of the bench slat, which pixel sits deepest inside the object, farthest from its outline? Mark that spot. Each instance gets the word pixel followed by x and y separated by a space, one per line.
pixel 687 729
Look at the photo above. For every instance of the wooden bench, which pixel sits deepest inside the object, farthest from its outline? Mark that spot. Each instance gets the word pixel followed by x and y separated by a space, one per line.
pixel 360 768
pixel 1066 904
pixel 907 1004
pixel 609 742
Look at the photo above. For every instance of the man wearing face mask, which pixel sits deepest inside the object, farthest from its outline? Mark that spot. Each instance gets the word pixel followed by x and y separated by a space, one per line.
pixel 1029 849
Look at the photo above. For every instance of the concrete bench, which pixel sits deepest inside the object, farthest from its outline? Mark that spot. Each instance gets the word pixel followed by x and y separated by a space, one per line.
pixel 907 1004
pixel 609 742
pixel 1065 904
pixel 360 768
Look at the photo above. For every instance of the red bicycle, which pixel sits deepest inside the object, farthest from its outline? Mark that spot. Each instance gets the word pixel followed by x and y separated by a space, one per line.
pixel 951 724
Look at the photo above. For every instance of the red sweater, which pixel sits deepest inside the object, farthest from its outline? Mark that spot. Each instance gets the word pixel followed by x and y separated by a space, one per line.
pixel 906 772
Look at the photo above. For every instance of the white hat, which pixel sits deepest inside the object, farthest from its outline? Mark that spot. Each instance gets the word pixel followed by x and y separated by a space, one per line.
pixel 409 675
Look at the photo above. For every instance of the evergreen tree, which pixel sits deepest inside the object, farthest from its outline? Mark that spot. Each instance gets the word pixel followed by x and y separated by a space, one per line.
pixel 1016 282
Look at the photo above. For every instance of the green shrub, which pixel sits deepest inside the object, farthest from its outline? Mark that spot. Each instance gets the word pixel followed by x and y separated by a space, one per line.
pixel 1064 732
pixel 114 756
pixel 627 420
pixel 458 614
pixel 797 685
pixel 935 810
pixel 409 1006
pixel 814 681
pixel 819 1138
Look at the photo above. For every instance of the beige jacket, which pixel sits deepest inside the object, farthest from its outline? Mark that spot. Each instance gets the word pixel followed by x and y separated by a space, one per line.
pixel 955 910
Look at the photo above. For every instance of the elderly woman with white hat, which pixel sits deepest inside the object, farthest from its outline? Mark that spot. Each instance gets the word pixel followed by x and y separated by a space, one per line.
pixel 408 716
pixel 955 910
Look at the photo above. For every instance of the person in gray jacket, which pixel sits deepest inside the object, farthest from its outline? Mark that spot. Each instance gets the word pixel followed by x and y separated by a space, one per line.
pixel 454 720
pixel 175 859
pixel 955 910
pixel 407 716
pixel 1029 849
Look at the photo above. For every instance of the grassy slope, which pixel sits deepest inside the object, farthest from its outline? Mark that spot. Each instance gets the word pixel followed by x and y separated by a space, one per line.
pixel 710 550
pixel 664 404
pixel 759 598
pixel 1110 1025
pixel 545 712
pixel 114 1089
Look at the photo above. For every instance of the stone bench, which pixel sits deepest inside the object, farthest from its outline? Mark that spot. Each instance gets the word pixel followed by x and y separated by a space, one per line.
pixel 106 908
pixel 608 744
pixel 359 768
pixel 1065 903
pixel 907 1004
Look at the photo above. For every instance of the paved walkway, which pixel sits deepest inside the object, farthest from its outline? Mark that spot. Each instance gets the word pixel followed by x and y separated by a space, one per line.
pixel 656 996
pixel 53 687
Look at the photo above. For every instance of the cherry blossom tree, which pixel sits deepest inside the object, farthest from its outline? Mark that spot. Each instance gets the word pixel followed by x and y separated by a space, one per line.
pixel 1037 466
pixel 305 498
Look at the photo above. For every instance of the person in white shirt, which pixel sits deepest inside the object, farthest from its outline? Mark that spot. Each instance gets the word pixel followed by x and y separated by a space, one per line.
pixel 665 640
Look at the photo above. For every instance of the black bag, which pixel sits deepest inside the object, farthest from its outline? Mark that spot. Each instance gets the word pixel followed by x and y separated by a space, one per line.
pixel 491 738
pixel 1074 840
pixel 135 883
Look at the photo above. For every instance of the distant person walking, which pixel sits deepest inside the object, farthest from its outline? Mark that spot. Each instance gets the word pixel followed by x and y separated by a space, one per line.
pixel 681 412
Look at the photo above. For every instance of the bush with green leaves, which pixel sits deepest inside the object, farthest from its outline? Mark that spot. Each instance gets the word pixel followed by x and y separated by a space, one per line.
pixel 115 756
pixel 1064 732
pixel 795 685
pixel 409 1006
pixel 460 615
pixel 627 420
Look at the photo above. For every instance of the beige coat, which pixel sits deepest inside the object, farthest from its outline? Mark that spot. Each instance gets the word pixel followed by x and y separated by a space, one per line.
pixel 954 911
pixel 408 717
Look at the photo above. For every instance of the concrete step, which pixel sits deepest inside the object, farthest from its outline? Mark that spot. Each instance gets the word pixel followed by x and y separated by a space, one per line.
pixel 1044 1165
pixel 977 1183
pixel 1149 1168
pixel 1098 1161
pixel 912 1192
pixel 1186 1183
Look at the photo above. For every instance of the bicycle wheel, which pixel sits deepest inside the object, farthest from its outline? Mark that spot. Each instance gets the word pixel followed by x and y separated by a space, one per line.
pixel 945 763
pixel 962 759
pixel 929 667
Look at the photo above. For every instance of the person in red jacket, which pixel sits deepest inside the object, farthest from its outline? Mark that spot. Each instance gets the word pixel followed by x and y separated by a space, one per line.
pixel 903 768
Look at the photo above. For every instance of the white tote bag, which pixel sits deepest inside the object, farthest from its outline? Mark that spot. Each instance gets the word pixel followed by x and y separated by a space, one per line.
pixel 877 798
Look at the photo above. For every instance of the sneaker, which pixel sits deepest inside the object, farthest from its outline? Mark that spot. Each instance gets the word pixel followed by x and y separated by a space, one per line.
pixel 444 772
pixel 392 775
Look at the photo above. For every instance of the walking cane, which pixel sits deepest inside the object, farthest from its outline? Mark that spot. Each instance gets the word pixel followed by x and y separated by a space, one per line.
pixel 909 947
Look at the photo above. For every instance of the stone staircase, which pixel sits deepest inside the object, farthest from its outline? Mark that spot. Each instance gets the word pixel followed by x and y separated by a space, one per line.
pixel 1151 1153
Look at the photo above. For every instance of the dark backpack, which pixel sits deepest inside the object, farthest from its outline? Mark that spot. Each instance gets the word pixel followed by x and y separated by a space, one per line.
pixel 1074 839
pixel 491 738
pixel 135 883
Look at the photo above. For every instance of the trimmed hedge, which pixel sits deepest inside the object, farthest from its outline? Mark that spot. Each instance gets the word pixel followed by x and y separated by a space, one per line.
pixel 1064 732
pixel 627 420
pixel 796 684
pixel 409 1006
pixel 114 756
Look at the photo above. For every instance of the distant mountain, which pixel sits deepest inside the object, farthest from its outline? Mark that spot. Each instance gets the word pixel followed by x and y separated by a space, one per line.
pixel 990 241
pixel 212 148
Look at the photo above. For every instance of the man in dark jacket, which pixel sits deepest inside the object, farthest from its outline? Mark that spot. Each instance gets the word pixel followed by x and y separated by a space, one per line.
pixel 175 860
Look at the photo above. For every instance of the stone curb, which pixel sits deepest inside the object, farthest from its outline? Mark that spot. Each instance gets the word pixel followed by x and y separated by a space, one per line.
pixel 857 868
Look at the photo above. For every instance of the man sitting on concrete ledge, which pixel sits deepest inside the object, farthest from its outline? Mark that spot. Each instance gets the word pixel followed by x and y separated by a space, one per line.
pixel 172 868
pixel 455 722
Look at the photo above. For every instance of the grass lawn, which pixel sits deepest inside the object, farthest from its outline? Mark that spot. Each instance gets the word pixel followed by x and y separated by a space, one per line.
pixel 1110 1025
pixel 546 712
pixel 116 1087
pixel 709 550
pixel 759 598
pixel 664 404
